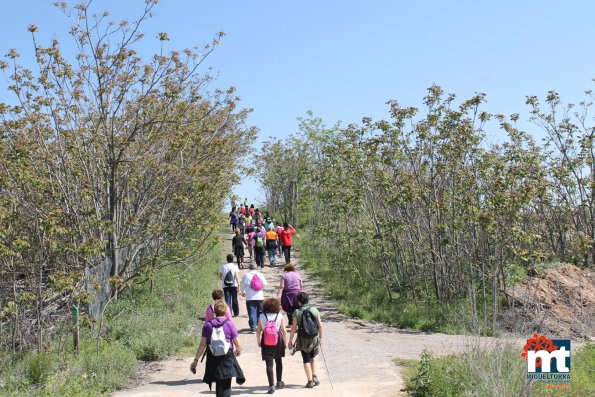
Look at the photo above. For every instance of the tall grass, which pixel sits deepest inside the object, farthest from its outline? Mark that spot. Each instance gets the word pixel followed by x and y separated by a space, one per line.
pixel 141 325
pixel 358 295
pixel 493 371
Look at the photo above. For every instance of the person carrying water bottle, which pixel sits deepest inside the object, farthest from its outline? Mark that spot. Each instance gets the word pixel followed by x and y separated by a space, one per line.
pixel 219 341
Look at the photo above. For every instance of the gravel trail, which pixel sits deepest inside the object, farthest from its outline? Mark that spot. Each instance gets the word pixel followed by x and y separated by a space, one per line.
pixel 356 360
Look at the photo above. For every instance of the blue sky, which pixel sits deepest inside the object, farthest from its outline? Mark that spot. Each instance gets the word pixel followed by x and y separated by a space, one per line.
pixel 344 59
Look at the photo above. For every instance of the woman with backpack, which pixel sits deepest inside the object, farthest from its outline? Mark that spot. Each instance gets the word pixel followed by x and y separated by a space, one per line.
pixel 252 288
pixel 290 286
pixel 219 340
pixel 306 323
pixel 272 338
pixel 259 246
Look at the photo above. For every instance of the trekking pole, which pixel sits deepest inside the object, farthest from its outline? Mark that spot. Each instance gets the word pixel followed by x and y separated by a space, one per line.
pixel 326 366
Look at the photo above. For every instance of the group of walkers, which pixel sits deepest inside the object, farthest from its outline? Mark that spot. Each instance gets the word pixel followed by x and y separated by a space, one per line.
pixel 219 338
pixel 260 234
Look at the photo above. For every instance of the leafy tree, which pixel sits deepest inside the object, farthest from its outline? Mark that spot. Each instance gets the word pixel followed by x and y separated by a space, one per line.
pixel 110 164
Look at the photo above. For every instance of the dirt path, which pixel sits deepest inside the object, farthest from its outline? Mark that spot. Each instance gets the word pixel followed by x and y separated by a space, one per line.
pixel 356 361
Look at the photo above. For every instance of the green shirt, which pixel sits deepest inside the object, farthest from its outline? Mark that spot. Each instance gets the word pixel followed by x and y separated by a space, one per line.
pixel 298 312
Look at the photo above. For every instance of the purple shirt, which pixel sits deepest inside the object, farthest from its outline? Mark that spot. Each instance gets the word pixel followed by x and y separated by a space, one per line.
pixel 229 329
pixel 291 281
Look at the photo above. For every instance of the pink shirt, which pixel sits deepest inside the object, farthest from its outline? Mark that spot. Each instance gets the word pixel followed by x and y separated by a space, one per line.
pixel 210 313
pixel 251 238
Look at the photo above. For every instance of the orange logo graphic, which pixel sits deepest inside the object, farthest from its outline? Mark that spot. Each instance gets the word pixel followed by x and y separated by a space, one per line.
pixel 537 343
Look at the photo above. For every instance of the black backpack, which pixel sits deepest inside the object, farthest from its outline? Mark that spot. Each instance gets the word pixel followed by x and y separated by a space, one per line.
pixel 309 325
pixel 228 279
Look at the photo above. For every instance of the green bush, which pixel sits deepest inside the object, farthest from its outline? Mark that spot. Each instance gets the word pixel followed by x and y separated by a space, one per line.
pixel 494 371
pixel 38 367
pixel 110 367
pixel 158 324
pixel 142 324
pixel 360 297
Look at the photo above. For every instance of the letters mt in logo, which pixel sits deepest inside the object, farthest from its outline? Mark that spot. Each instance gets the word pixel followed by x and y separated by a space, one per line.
pixel 545 355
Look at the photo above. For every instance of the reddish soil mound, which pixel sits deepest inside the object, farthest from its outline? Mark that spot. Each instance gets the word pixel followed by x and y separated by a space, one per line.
pixel 558 302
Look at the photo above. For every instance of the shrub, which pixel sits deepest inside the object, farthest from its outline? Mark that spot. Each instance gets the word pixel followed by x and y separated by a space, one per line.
pixel 38 367
pixel 494 371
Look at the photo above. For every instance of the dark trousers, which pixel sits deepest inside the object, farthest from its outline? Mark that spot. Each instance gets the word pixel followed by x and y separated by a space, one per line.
pixel 278 369
pixel 259 254
pixel 231 298
pixel 223 388
pixel 290 314
pixel 254 309
pixel 287 253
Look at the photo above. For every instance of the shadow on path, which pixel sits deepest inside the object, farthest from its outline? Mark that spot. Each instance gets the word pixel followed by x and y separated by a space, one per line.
pixel 173 383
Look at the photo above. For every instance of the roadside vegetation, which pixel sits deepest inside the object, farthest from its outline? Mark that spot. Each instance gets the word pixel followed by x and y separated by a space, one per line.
pixel 147 323
pixel 491 371
pixel 420 221
pixel 114 167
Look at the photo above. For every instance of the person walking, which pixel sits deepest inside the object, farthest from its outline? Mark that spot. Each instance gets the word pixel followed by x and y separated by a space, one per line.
pixel 290 286
pixel 233 220
pixel 308 326
pixel 251 242
pixel 287 240
pixel 242 223
pixel 271 245
pixel 228 274
pixel 279 229
pixel 271 337
pixel 259 247
pixel 217 295
pixel 268 221
pixel 219 340
pixel 252 288
pixel 237 245
pixel 248 221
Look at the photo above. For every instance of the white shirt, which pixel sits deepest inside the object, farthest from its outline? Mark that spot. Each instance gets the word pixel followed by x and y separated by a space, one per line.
pixel 264 317
pixel 229 267
pixel 252 295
